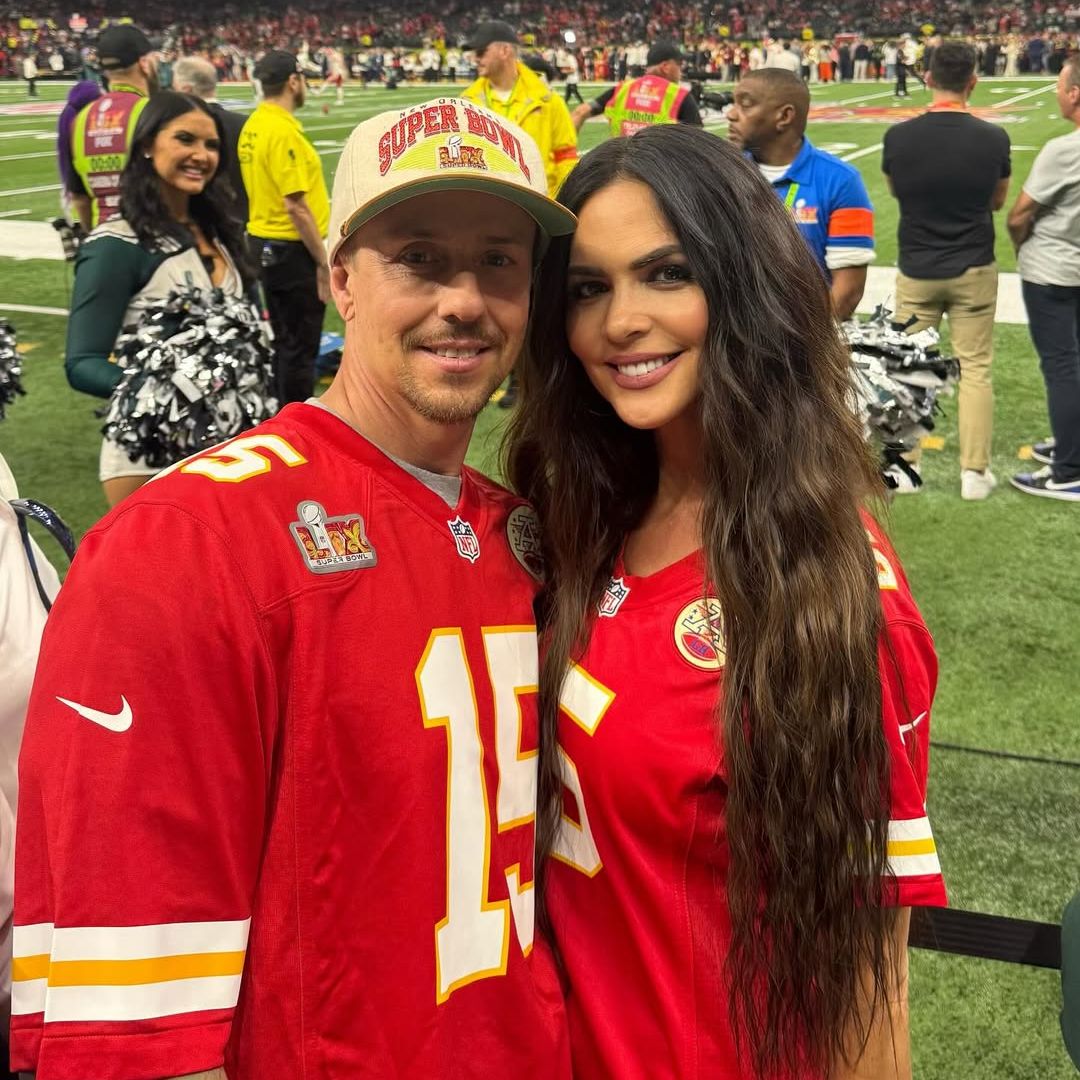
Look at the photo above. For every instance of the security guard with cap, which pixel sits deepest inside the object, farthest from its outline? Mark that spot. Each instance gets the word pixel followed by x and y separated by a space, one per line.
pixel 510 88
pixel 657 97
pixel 289 212
pixel 101 132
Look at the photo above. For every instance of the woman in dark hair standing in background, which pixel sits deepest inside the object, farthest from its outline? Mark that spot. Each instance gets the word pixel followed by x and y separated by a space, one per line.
pixel 739 678
pixel 174 232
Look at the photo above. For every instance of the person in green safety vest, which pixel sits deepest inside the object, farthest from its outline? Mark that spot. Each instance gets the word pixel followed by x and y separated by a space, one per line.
pixel 101 133
pixel 655 98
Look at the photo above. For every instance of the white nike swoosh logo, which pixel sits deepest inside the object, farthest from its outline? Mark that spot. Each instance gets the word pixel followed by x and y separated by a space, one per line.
pixel 119 721
pixel 914 724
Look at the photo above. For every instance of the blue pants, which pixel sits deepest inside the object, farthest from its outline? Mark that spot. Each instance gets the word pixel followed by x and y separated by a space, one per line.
pixel 1054 320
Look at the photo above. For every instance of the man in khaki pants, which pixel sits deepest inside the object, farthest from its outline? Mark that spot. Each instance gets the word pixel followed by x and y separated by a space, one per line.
pixel 950 172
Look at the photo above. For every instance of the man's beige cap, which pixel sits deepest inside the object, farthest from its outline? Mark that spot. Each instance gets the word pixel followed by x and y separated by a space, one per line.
pixel 440 145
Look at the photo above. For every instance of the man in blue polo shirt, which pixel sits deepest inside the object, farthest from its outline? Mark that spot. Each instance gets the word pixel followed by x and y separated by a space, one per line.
pixel 825 195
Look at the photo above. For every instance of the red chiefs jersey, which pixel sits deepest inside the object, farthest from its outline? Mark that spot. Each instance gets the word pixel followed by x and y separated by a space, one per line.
pixel 278 782
pixel 633 889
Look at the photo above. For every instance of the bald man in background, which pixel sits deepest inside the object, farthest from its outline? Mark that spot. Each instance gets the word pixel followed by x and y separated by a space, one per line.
pixel 194 75
pixel 825 195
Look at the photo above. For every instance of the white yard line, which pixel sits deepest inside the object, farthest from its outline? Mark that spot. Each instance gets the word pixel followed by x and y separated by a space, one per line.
pixel 864 152
pixel 1021 97
pixel 29 190
pixel 863 97
pixel 13 213
pixel 29 309
pixel 29 133
pixel 27 157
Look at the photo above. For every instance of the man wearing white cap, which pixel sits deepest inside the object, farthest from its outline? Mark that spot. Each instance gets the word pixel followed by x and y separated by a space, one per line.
pixel 279 776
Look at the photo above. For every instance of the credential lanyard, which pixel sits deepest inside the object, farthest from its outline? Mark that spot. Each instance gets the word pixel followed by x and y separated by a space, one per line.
pixel 789 198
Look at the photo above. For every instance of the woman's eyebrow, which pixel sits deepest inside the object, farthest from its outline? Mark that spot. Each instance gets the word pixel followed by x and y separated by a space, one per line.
pixel 637 264
pixel 653 256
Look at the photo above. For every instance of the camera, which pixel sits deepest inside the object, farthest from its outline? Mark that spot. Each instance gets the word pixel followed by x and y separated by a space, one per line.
pixel 711 99
pixel 71 236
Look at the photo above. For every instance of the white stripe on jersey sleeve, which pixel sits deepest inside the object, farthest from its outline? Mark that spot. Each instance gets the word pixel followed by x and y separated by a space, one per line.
pixel 145 942
pixel 912 851
pixel 102 973
pixel 97 1004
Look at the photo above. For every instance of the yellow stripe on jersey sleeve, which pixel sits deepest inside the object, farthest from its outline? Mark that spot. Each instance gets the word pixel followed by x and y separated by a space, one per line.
pixel 127 972
pixel 31 946
pixel 139 972
pixel 912 851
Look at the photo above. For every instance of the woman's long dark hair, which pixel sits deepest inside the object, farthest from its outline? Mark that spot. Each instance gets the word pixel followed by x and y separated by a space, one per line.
pixel 141 203
pixel 806 763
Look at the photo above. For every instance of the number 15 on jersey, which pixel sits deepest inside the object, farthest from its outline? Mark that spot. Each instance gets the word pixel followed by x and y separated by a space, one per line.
pixel 472 941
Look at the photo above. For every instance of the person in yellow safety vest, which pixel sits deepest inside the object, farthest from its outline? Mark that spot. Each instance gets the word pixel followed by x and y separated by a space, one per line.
pixel 507 87
pixel 655 98
pixel 102 132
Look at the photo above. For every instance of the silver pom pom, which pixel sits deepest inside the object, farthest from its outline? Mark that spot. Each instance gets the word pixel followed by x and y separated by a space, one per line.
pixel 10 367
pixel 897 379
pixel 196 372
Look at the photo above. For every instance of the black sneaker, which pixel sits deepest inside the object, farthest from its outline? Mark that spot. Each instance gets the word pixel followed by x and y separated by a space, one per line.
pixel 1043 483
pixel 1043 452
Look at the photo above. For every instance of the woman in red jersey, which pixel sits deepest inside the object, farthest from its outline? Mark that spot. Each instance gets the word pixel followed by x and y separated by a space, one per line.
pixel 738 678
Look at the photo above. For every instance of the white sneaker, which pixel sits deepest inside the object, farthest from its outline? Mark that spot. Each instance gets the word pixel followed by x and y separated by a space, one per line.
pixel 975 486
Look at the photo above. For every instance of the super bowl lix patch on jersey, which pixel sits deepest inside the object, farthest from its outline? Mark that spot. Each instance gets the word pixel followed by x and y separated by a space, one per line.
pixel 331 544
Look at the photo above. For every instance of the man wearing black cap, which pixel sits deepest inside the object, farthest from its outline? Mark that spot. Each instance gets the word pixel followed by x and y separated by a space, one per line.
pixel 655 98
pixel 101 133
pixel 287 221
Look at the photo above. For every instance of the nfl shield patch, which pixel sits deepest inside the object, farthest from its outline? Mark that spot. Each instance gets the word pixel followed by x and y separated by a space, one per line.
pixel 468 546
pixel 616 592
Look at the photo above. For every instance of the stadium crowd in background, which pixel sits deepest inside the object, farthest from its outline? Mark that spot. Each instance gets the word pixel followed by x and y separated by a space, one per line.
pixel 422 40
pixel 305 252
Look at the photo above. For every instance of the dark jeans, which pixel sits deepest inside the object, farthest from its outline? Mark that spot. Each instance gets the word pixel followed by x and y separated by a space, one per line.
pixel 901 78
pixel 296 314
pixel 572 89
pixel 1054 321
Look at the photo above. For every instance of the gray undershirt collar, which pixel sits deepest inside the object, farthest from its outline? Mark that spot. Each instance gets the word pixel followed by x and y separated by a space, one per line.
pixel 448 488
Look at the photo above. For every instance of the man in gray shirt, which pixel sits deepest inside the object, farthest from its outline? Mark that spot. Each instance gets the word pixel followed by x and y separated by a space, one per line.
pixel 1044 224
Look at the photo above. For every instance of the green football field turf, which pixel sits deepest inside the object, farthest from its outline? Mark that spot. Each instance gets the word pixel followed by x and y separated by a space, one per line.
pixel 997 581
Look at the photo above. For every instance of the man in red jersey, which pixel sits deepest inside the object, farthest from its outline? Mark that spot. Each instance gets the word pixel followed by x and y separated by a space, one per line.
pixel 646 808
pixel 279 775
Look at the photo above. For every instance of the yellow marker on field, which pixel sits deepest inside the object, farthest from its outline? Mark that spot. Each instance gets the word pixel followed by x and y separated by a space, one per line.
pixel 1024 453
pixel 932 442
pixel 25 346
